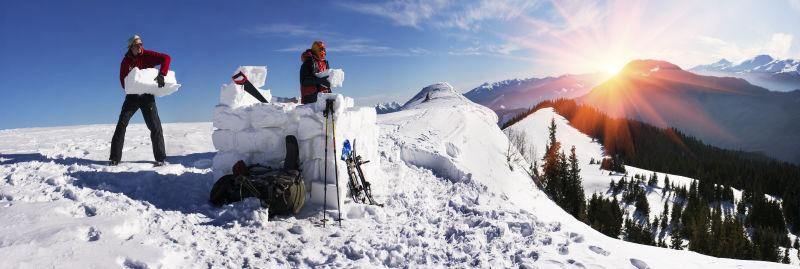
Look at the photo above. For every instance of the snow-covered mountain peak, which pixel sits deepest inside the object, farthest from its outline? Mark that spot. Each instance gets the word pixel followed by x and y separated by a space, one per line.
pixel 762 70
pixel 439 92
pixel 648 66
pixel 387 107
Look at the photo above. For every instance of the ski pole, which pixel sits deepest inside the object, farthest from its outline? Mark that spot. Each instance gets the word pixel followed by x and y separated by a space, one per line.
pixel 335 164
pixel 325 187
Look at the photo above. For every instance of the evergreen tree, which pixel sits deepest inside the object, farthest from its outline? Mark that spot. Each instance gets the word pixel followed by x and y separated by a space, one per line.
pixel 785 259
pixel 550 165
pixel 576 203
pixel 676 241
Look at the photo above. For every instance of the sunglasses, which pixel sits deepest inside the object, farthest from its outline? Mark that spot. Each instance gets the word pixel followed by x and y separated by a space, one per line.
pixel 322 49
pixel 137 45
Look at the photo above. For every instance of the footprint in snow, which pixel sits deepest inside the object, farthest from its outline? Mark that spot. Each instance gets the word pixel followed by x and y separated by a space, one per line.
pixel 297 229
pixel 575 237
pixel 599 250
pixel 90 234
pixel 563 249
pixel 639 264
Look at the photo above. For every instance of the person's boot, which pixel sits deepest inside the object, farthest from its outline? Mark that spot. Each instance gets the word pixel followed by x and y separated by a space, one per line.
pixel 113 163
pixel 160 163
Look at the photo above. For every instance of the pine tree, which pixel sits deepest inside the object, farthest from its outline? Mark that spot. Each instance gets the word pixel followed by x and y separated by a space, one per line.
pixel 574 188
pixel 550 164
pixel 785 259
pixel 796 244
pixel 676 241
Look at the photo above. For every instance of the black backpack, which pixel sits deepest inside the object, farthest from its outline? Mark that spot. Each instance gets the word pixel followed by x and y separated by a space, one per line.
pixel 281 190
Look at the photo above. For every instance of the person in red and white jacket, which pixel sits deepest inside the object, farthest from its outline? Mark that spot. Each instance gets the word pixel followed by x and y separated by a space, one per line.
pixel 137 56
pixel 313 62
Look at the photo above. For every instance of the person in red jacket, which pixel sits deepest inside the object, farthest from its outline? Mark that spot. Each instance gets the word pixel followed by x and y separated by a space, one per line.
pixel 137 56
pixel 313 62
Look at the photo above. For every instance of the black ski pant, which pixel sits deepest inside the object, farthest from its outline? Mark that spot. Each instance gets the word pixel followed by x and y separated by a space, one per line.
pixel 147 103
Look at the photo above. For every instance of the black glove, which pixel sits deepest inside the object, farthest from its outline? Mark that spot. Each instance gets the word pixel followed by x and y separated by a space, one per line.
pixel 160 80
pixel 324 82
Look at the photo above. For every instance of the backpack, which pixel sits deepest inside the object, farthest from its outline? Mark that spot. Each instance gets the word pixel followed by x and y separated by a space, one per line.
pixel 280 190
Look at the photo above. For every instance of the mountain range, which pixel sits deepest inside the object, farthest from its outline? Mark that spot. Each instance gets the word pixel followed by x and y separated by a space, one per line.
pixel 762 70
pixel 509 97
pixel 724 111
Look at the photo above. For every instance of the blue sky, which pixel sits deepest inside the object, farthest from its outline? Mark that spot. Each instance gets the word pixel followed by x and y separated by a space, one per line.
pixel 59 59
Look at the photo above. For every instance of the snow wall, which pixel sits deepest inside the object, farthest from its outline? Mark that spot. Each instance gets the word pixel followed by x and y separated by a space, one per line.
pixel 255 132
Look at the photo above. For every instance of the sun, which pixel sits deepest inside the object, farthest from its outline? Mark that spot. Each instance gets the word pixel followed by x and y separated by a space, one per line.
pixel 612 69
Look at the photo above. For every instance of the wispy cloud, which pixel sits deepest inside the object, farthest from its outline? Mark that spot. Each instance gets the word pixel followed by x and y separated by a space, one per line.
pixel 409 13
pixel 337 42
pixel 284 29
pixel 778 45
pixel 503 49
pixel 443 13
pixel 795 4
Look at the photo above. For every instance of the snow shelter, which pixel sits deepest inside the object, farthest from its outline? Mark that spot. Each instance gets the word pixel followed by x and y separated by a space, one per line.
pixel 246 129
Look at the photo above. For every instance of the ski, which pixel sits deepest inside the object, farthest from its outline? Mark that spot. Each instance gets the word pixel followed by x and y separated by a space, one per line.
pixel 353 183
pixel 360 188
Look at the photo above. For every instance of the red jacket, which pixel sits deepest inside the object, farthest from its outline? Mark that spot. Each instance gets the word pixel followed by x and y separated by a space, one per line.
pixel 146 59
pixel 309 82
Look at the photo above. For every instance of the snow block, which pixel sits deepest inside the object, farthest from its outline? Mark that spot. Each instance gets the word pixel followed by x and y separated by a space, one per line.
pixel 256 140
pixel 317 195
pixel 223 162
pixel 267 115
pixel 335 76
pixel 142 81
pixel 224 140
pixel 231 119
pixel 257 75
pixel 234 96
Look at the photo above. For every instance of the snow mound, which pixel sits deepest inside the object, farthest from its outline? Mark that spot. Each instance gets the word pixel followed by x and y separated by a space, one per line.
pixel 142 81
pixel 442 91
pixel 335 76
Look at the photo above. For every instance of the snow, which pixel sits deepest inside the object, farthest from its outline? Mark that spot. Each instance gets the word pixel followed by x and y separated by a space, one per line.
pixel 596 180
pixel 257 131
pixel 451 201
pixel 335 76
pixel 142 81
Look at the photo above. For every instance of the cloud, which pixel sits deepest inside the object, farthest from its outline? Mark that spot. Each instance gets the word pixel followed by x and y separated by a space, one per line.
pixel 503 49
pixel 337 42
pixel 795 4
pixel 284 29
pixel 778 45
pixel 404 13
pixel 361 47
pixel 443 13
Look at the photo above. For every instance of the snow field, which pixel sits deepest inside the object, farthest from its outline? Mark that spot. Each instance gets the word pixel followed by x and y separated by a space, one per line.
pixel 142 81
pixel 60 206
pixel 255 133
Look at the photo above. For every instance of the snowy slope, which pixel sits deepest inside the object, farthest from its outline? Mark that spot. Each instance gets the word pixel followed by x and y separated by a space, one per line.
pixel 596 180
pixel 450 201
